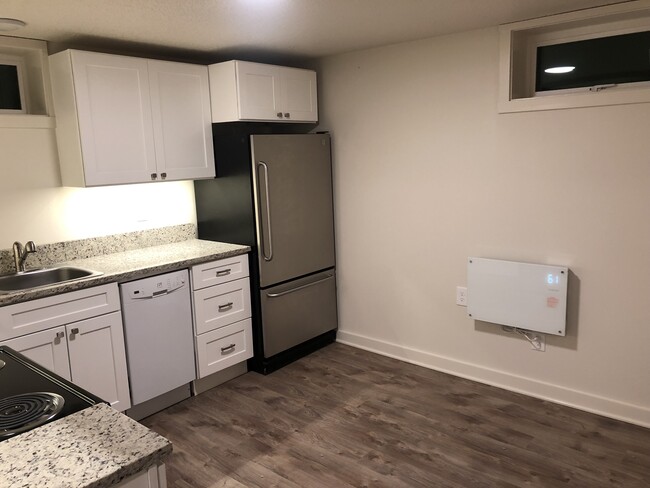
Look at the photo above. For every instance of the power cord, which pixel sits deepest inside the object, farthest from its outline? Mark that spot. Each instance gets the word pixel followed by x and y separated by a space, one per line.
pixel 534 341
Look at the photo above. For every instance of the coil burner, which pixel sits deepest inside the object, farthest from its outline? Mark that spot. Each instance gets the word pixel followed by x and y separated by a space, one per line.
pixel 20 413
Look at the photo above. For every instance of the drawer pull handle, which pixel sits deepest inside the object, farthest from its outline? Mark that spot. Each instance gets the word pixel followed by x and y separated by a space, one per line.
pixel 282 293
pixel 223 272
pixel 74 331
pixel 227 306
pixel 60 335
pixel 231 347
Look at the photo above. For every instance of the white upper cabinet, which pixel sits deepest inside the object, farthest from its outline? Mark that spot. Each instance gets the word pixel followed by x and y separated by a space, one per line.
pixel 262 92
pixel 182 124
pixel 130 120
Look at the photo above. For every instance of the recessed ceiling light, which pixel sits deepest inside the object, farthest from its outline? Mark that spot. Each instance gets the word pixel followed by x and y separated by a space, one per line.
pixel 560 69
pixel 11 24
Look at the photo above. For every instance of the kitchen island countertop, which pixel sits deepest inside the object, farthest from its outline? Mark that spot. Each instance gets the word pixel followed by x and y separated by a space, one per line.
pixel 94 448
pixel 130 265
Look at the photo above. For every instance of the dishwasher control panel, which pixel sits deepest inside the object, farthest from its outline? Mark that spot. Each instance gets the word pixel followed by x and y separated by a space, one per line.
pixel 163 285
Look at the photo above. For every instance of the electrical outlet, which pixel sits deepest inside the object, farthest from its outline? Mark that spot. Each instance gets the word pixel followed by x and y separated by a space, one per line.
pixel 461 296
pixel 538 342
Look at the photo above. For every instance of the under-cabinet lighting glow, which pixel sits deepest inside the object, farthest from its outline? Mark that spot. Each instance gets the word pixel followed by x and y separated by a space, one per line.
pixel 560 69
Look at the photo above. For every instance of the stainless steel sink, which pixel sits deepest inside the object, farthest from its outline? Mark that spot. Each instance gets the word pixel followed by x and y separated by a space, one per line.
pixel 43 277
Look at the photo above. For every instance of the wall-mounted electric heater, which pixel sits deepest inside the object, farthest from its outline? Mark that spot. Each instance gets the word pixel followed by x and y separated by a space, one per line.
pixel 526 296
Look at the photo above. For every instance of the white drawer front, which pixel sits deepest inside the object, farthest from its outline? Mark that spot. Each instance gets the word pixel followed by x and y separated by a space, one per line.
pixel 221 305
pixel 221 271
pixel 224 347
pixel 41 314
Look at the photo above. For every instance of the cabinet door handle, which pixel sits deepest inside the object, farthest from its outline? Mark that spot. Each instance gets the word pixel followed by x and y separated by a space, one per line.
pixel 228 348
pixel 60 335
pixel 223 272
pixel 163 175
pixel 287 115
pixel 74 331
pixel 154 176
pixel 227 306
pixel 279 114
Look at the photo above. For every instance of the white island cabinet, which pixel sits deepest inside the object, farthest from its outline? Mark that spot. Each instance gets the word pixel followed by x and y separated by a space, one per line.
pixel 245 91
pixel 122 119
pixel 77 335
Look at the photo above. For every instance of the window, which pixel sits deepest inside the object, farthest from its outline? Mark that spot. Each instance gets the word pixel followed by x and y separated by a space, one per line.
pixel 587 58
pixel 594 63
pixel 12 90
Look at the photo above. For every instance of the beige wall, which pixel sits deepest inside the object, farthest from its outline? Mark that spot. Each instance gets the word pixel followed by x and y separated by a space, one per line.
pixel 428 173
pixel 34 206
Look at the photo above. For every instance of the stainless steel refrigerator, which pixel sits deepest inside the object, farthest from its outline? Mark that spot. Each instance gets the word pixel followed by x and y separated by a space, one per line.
pixel 273 192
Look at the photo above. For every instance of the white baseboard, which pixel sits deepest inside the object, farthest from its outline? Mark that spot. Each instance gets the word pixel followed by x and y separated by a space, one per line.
pixel 588 402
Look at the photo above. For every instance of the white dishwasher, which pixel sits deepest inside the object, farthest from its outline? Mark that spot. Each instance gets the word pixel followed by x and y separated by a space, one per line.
pixel 158 334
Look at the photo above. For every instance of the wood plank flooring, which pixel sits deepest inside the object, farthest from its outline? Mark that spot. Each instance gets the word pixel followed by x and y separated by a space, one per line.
pixel 343 417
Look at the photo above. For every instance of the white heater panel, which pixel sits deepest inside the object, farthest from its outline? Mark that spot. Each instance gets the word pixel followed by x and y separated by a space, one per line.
pixel 527 296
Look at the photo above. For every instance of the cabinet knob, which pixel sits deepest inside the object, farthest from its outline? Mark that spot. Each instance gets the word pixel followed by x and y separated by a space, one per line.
pixel 74 331
pixel 287 115
pixel 59 335
pixel 154 176
pixel 163 175
pixel 279 114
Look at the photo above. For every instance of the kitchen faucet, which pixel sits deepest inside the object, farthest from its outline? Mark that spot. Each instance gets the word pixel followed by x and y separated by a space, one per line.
pixel 20 254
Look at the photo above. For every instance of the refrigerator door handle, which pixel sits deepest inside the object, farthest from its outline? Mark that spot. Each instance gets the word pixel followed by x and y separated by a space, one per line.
pixel 282 293
pixel 268 257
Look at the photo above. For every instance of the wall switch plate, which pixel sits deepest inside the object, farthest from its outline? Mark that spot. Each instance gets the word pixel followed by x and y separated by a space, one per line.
pixel 461 296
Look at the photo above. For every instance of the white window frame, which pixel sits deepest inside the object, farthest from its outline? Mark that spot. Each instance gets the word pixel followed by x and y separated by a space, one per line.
pixel 518 57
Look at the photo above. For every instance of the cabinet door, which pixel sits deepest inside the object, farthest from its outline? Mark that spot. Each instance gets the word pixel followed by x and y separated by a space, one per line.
pixel 113 105
pixel 182 125
pixel 299 95
pixel 47 348
pixel 258 91
pixel 98 358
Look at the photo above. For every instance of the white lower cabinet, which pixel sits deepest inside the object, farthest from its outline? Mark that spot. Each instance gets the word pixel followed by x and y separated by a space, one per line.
pixel 154 477
pixel 48 348
pixel 222 311
pixel 77 335
pixel 224 347
pixel 98 360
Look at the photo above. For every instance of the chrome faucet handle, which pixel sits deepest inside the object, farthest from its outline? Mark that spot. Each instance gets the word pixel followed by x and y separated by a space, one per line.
pixel 20 254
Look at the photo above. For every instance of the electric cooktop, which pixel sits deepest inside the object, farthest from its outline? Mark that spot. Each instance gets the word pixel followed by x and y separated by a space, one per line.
pixel 31 396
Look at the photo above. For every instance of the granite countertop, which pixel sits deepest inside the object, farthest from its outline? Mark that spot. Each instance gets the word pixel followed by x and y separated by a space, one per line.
pixel 94 448
pixel 130 265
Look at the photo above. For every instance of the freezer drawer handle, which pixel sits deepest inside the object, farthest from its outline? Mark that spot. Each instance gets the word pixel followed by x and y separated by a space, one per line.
pixel 223 272
pixel 282 293
pixel 227 306
pixel 268 214
pixel 231 347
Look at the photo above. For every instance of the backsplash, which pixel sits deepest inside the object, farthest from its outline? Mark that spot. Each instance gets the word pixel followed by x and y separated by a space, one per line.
pixel 52 254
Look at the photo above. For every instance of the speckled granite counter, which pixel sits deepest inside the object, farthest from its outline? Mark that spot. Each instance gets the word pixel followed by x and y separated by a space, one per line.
pixel 94 448
pixel 130 265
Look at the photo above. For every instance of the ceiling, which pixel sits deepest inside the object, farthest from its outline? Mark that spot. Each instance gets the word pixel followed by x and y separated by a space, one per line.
pixel 213 30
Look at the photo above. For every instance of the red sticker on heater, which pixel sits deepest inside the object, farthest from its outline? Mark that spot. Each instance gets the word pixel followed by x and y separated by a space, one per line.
pixel 552 302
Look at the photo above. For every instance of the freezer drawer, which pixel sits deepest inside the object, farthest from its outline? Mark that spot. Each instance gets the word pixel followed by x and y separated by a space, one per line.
pixel 297 311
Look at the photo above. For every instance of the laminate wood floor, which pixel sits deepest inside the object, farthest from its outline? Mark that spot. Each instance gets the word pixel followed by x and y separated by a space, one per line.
pixel 343 417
